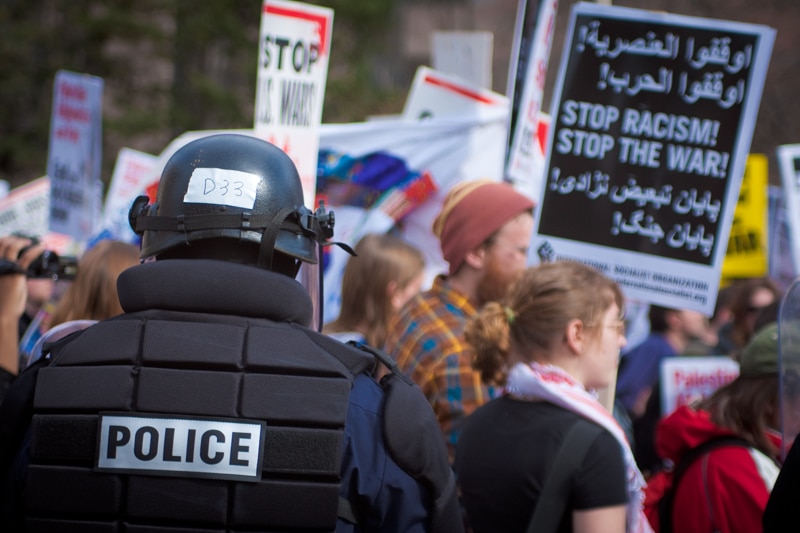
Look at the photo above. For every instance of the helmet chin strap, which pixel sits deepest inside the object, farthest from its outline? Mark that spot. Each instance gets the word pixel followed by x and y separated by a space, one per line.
pixel 270 235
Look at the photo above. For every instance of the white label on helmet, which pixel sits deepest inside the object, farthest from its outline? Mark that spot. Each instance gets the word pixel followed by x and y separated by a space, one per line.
pixel 180 446
pixel 221 186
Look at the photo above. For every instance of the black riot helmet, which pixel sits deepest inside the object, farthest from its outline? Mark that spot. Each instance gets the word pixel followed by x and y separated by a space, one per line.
pixel 229 188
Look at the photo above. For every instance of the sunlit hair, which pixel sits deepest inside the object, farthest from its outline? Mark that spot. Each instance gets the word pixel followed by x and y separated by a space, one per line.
pixel 535 314
pixel 366 307
pixel 748 406
pixel 93 293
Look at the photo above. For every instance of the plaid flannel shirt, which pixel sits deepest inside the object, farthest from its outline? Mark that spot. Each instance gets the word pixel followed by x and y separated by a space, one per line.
pixel 426 338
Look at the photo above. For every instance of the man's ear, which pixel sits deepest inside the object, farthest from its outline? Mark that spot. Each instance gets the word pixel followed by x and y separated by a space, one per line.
pixel 673 320
pixel 576 336
pixel 476 257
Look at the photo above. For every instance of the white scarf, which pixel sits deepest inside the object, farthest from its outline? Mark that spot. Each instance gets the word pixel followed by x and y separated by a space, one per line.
pixel 554 385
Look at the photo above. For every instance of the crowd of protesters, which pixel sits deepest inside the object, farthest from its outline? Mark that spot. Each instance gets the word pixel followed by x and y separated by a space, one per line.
pixel 504 356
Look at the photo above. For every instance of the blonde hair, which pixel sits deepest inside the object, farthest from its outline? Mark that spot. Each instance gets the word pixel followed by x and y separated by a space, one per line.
pixel 535 313
pixel 93 293
pixel 380 259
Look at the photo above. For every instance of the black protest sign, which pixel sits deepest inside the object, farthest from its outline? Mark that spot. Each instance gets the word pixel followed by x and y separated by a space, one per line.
pixel 652 119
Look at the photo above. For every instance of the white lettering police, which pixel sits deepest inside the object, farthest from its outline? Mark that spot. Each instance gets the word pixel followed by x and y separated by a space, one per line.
pixel 160 445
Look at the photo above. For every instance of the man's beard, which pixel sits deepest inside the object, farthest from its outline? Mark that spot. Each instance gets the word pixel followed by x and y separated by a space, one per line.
pixel 494 283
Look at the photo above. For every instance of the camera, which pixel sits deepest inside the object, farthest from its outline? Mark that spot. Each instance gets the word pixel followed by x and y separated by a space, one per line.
pixel 51 265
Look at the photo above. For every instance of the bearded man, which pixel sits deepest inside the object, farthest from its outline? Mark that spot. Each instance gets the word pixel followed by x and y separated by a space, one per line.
pixel 484 230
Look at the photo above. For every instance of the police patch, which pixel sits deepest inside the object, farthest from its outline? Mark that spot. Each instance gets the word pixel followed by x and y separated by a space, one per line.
pixel 183 447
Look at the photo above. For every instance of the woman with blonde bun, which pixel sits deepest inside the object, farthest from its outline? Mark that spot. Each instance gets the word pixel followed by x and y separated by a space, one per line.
pixel 550 343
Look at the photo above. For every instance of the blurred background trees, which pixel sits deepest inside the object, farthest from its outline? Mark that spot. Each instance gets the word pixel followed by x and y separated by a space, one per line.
pixel 171 66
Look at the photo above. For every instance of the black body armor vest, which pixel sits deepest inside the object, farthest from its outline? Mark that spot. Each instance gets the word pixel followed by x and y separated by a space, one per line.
pixel 175 421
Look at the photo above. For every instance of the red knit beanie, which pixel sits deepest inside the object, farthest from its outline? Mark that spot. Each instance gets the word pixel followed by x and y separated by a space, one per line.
pixel 471 212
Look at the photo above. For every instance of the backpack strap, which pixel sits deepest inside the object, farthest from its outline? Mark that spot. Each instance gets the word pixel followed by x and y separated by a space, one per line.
pixel 667 501
pixel 555 492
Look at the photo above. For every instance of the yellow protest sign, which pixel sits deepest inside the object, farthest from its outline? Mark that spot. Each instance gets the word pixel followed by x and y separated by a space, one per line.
pixel 746 255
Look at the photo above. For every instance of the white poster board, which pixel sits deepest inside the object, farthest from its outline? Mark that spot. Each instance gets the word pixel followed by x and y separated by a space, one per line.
pixel 652 120
pixel 294 50
pixel 75 154
pixel 687 379
pixel 466 54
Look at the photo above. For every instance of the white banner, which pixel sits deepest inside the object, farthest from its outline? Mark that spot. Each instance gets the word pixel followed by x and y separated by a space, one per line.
pixel 75 155
pixel 444 150
pixel 292 70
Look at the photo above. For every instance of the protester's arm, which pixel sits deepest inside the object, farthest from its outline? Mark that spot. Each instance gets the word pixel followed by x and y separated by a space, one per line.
pixel 13 295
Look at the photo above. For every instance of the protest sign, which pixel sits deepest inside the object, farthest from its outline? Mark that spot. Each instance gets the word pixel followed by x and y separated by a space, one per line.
pixel 746 256
pixel 440 95
pixel 687 379
pixel 25 210
pixel 525 162
pixel 780 261
pixel 132 174
pixel 74 155
pixel 294 48
pixel 789 165
pixel 652 119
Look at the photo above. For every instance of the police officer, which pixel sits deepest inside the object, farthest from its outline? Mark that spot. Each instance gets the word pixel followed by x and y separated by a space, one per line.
pixel 210 405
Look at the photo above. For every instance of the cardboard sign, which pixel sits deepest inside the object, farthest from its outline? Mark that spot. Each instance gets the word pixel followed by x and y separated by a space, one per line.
pixel 651 125
pixel 292 70
pixel 747 252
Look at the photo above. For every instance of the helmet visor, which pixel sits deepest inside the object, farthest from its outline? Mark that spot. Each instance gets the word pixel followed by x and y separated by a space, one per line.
pixel 310 276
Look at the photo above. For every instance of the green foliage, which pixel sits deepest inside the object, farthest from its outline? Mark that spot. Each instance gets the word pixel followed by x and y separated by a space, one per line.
pixel 169 66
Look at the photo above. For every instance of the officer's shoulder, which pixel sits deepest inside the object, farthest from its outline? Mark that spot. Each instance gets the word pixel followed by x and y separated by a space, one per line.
pixel 357 361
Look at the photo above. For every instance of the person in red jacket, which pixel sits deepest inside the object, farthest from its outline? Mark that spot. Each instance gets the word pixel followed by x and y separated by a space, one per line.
pixel 725 489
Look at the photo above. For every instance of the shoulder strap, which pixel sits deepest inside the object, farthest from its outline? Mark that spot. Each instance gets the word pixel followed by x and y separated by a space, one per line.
pixel 551 503
pixel 692 455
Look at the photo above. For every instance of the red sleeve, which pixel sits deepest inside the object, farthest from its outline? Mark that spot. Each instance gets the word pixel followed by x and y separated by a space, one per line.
pixel 656 487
